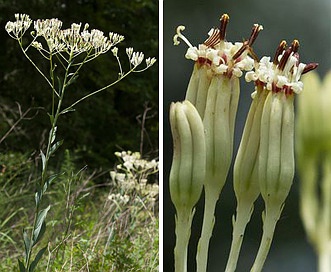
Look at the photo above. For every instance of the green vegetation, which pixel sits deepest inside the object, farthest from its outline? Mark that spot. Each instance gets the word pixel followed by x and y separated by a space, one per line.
pixel 104 227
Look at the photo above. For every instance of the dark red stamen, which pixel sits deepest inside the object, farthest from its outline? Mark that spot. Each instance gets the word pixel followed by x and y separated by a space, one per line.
pixel 224 22
pixel 284 58
pixel 247 44
pixel 292 49
pixel 309 67
pixel 255 32
pixel 241 50
pixel 279 51
pixel 295 46
pixel 213 39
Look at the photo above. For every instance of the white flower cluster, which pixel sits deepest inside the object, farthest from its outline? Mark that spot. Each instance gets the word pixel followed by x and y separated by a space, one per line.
pixel 73 40
pixel 118 198
pixel 283 73
pixel 17 29
pixel 132 174
pixel 132 162
pixel 221 56
pixel 136 58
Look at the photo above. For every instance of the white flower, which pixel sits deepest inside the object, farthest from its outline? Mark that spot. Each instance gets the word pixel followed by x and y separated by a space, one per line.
pixel 17 29
pixel 115 38
pixel 129 52
pixel 37 45
pixel 48 28
pixel 115 51
pixel 150 61
pixel 220 56
pixel 137 58
pixel 284 72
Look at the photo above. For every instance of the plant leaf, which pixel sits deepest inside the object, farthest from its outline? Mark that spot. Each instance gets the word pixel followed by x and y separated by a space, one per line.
pixel 43 159
pixel 72 79
pixel 41 233
pixel 52 134
pixel 40 229
pixel 37 259
pixel 60 84
pixel 55 146
pixel 49 181
pixel 21 266
pixel 67 110
pixel 27 242
pixel 37 197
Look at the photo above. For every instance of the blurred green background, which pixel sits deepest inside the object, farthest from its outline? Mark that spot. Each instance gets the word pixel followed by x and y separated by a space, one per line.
pixel 103 124
pixel 305 20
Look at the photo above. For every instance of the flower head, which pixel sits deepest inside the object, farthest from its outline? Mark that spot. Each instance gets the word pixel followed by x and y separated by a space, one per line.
pixel 189 156
pixel 221 56
pixel 284 72
pixel 17 29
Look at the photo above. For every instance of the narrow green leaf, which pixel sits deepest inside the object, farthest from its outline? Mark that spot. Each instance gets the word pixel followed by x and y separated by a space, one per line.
pixel 41 233
pixel 21 266
pixel 37 233
pixel 27 242
pixel 37 197
pixel 49 181
pixel 55 146
pixel 67 110
pixel 60 84
pixel 37 259
pixel 72 80
pixel 43 159
pixel 52 134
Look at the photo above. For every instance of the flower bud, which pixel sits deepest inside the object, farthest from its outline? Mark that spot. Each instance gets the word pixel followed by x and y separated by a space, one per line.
pixel 189 155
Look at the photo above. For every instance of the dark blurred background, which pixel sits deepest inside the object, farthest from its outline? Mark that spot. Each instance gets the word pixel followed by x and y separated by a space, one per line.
pixel 103 124
pixel 305 20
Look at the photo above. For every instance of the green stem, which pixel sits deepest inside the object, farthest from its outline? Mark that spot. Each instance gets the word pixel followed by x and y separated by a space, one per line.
pixel 45 166
pixel 95 92
pixel 243 215
pixel 35 66
pixel 183 232
pixel 211 197
pixel 272 215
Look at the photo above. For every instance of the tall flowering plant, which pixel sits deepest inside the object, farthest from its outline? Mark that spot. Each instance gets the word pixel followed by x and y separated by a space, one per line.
pixel 66 51
pixel 265 160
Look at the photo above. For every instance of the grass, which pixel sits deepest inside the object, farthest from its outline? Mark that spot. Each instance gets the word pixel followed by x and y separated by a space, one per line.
pixel 111 226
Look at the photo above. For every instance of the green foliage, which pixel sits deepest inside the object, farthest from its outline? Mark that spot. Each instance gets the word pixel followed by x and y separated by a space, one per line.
pixel 87 228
